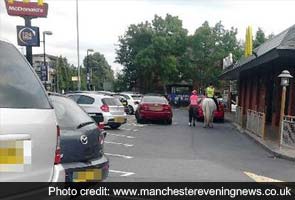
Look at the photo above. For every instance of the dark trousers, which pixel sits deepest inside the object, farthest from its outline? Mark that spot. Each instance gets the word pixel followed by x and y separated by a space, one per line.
pixel 192 113
pixel 215 101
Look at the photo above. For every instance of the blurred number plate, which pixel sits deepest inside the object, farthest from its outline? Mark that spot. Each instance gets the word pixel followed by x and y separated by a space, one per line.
pixel 156 108
pixel 14 155
pixel 87 175
pixel 119 120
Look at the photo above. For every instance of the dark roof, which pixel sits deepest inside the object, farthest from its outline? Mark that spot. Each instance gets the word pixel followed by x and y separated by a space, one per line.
pixel 266 52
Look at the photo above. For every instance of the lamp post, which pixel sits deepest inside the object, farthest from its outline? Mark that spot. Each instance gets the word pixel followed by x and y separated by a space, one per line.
pixel 44 53
pixel 87 70
pixel 78 45
pixel 285 76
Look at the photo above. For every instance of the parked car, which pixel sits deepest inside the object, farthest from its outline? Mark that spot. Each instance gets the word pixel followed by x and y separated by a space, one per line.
pixel 218 115
pixel 81 142
pixel 154 108
pixel 102 108
pixel 124 102
pixel 133 100
pixel 103 92
pixel 28 124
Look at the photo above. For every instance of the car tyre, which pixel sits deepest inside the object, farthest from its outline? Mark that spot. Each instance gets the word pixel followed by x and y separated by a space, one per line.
pixel 115 126
pixel 169 121
pixel 138 119
pixel 130 110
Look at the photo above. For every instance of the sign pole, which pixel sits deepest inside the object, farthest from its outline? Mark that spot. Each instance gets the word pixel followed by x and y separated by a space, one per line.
pixel 29 52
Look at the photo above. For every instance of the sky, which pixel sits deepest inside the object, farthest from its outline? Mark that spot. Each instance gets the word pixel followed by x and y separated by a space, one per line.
pixel 101 22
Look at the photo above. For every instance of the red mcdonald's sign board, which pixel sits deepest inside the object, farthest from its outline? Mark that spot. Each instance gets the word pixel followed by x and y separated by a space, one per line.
pixel 26 9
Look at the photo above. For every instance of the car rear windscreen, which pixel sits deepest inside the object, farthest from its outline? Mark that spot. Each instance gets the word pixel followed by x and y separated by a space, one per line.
pixel 19 86
pixel 68 113
pixel 136 97
pixel 151 99
pixel 111 102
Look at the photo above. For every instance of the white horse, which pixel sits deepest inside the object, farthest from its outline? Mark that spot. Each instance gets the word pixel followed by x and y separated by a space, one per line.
pixel 208 107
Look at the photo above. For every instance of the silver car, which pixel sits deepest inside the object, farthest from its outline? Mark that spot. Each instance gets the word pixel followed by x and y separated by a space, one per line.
pixel 28 129
pixel 102 108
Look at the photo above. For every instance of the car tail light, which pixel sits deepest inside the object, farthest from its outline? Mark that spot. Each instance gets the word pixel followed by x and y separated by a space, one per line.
pixel 144 107
pixel 101 139
pixel 101 125
pixel 58 155
pixel 166 107
pixel 105 108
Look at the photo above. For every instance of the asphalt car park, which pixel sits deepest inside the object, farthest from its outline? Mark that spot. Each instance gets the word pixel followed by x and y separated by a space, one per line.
pixel 177 152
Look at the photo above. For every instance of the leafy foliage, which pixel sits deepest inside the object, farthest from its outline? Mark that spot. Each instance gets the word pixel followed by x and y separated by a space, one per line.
pixel 259 38
pixel 160 52
pixel 65 71
pixel 151 53
pixel 209 46
pixel 101 71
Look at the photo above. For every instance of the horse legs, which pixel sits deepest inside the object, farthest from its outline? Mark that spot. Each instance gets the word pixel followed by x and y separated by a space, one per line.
pixel 211 120
pixel 205 121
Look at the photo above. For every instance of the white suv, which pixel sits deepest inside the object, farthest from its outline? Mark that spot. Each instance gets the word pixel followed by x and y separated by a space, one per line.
pixel 28 129
pixel 102 108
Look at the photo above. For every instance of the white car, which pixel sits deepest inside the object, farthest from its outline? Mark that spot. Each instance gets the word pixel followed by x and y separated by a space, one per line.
pixel 28 124
pixel 133 100
pixel 102 108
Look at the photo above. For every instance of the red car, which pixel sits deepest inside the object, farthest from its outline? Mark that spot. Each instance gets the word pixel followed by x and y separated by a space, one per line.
pixel 154 108
pixel 218 115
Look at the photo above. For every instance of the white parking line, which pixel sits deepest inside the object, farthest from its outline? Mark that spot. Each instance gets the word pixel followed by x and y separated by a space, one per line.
pixel 135 130
pixel 118 155
pixel 139 125
pixel 125 129
pixel 119 135
pixel 123 173
pixel 118 143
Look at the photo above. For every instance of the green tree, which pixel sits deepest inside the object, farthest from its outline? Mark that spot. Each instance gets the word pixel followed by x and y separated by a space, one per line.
pixel 100 70
pixel 152 53
pixel 259 38
pixel 64 74
pixel 209 46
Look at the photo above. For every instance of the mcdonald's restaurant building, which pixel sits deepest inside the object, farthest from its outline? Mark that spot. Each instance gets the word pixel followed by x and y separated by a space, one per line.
pixel 260 90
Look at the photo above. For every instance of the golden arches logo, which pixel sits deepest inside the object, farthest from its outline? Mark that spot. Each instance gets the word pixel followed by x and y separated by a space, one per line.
pixel 248 42
pixel 40 2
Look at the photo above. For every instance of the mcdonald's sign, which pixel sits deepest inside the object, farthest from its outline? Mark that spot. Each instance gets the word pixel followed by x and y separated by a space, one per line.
pixel 26 8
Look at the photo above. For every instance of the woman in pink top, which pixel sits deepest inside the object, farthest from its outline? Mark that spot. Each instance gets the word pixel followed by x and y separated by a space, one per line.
pixel 193 108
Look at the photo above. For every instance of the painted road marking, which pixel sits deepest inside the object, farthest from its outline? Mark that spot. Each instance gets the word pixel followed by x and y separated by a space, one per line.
pixel 135 130
pixel 122 172
pixel 119 135
pixel 118 155
pixel 118 143
pixel 126 129
pixel 139 125
pixel 258 178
